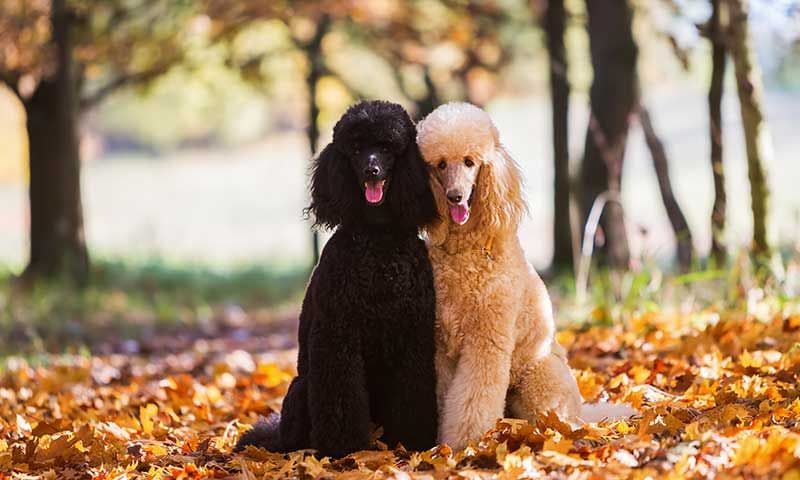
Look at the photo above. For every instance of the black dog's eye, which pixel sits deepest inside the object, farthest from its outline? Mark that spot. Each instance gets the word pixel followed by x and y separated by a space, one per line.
pixel 468 162
pixel 442 165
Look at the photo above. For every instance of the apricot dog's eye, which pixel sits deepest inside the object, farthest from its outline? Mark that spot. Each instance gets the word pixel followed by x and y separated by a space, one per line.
pixel 442 165
pixel 468 162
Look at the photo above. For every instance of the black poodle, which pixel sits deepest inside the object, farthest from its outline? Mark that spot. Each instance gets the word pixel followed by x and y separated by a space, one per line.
pixel 366 335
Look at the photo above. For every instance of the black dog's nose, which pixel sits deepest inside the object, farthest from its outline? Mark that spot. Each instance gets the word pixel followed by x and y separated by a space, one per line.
pixel 454 196
pixel 372 171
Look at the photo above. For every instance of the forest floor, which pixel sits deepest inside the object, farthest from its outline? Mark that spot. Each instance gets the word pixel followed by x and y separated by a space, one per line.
pixel 716 388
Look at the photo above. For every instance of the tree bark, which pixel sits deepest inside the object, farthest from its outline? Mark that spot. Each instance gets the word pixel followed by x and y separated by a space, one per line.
pixel 715 92
pixel 612 98
pixel 316 69
pixel 555 26
pixel 430 101
pixel 680 227
pixel 57 242
pixel 756 134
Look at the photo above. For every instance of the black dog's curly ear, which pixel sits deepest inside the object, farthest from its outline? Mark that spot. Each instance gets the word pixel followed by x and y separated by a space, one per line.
pixel 410 194
pixel 334 195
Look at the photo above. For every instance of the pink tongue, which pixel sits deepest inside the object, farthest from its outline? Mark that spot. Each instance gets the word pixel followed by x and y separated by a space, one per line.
pixel 459 213
pixel 374 192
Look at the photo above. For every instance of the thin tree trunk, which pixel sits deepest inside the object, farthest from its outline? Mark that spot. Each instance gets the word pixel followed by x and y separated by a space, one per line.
pixel 422 106
pixel 555 25
pixel 715 91
pixel 316 69
pixel 612 98
pixel 56 231
pixel 431 99
pixel 756 134
pixel 683 235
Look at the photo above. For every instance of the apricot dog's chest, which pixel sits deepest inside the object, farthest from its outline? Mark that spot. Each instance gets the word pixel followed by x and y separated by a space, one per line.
pixel 460 291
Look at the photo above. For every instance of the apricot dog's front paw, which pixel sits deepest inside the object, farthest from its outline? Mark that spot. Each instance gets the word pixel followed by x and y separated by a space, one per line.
pixel 460 432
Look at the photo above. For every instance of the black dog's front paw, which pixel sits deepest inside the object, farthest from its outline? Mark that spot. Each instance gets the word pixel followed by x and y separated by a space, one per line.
pixel 265 434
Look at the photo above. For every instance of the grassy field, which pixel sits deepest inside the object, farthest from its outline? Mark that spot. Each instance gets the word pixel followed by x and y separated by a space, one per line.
pixel 128 304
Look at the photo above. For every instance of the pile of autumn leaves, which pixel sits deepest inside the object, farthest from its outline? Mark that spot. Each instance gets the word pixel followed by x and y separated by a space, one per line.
pixel 717 391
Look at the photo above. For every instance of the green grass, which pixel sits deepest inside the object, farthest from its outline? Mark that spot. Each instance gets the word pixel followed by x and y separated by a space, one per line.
pixel 136 300
pixel 127 300
pixel 752 287
pixel 195 285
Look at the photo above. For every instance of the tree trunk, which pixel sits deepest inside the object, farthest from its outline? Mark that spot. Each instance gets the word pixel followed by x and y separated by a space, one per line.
pixel 612 98
pixel 555 25
pixel 56 232
pixel 431 99
pixel 756 133
pixel 715 91
pixel 683 235
pixel 316 69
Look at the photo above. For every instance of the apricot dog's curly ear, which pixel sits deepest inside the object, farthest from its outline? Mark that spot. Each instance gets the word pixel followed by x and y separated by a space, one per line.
pixel 500 192
pixel 334 189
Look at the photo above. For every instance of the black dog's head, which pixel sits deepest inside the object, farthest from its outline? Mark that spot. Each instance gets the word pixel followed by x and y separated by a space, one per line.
pixel 372 163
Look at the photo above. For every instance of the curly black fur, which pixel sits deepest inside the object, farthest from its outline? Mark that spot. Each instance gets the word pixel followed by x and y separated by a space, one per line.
pixel 366 336
pixel 265 434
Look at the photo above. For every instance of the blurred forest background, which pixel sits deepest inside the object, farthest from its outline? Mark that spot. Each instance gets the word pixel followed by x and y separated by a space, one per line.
pixel 154 159
pixel 161 147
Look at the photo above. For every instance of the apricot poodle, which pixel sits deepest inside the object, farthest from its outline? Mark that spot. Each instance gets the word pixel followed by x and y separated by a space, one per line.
pixel 496 349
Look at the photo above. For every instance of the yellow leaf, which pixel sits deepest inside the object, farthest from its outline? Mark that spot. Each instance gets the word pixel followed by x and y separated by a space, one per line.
pixel 156 449
pixel 639 373
pixel 373 459
pixel 146 414
pixel 621 379
pixel 693 431
pixel 748 360
pixel 315 468
pixel 623 428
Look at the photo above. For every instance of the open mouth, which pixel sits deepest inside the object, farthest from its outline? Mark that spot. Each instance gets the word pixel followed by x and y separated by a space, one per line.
pixel 373 191
pixel 459 212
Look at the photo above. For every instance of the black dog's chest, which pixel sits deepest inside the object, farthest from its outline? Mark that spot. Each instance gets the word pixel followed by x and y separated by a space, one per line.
pixel 383 265
pixel 383 282
pixel 388 277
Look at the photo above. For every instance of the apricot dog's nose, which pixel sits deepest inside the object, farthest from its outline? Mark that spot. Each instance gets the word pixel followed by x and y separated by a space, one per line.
pixel 454 196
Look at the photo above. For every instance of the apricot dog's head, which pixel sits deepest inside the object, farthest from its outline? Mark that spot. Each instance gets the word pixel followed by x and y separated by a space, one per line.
pixel 475 181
